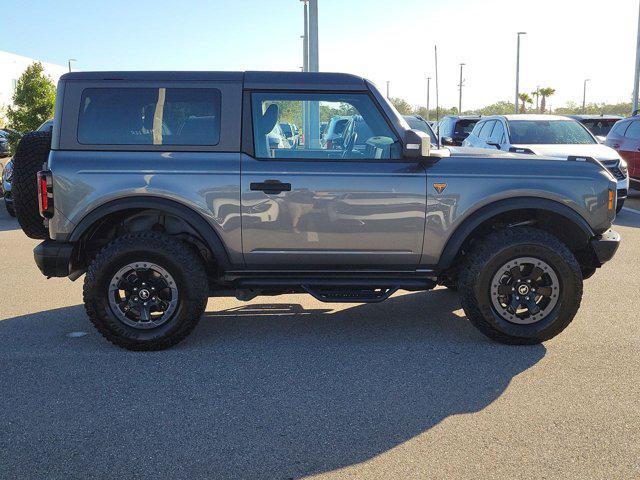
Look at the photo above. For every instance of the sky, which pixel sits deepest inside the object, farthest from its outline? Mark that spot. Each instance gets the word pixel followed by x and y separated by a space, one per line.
pixel 566 42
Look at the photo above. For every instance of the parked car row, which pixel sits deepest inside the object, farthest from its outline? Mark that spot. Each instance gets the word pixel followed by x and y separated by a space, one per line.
pixel 551 136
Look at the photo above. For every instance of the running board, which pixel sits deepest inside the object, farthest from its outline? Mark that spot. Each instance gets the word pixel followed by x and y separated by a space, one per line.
pixel 350 294
pixel 339 290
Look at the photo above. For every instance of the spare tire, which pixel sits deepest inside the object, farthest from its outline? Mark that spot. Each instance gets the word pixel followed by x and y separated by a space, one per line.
pixel 32 153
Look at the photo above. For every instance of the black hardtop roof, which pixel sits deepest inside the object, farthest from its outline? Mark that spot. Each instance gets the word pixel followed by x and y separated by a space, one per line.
pixel 252 80
pixel 463 117
pixel 595 117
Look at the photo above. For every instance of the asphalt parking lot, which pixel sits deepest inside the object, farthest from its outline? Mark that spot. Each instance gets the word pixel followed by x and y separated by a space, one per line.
pixel 287 387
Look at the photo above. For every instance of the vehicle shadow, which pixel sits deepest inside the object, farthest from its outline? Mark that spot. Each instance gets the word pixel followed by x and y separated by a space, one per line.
pixel 627 218
pixel 260 391
pixel 7 222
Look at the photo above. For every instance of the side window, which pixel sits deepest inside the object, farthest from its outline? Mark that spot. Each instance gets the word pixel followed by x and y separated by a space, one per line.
pixel 476 129
pixel 149 116
pixel 358 129
pixel 485 131
pixel 445 125
pixel 620 128
pixel 497 135
pixel 633 131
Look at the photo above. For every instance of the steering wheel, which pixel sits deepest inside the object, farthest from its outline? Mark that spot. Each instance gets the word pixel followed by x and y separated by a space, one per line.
pixel 349 144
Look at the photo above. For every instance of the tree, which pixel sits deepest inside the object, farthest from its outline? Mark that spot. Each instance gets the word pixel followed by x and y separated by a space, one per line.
pixel 33 101
pixel 536 94
pixel 402 106
pixel 524 98
pixel 545 93
pixel 499 108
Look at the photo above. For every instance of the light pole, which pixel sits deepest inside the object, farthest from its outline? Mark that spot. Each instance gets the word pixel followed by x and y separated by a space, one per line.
pixel 428 92
pixel 460 96
pixel 584 95
pixel 636 83
pixel 313 134
pixel 305 37
pixel 518 70
pixel 69 62
pixel 388 97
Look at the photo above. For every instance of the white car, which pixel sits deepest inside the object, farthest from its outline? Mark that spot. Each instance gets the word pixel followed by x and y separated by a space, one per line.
pixel 551 136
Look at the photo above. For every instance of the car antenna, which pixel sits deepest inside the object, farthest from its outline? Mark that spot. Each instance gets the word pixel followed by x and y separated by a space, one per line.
pixel 437 99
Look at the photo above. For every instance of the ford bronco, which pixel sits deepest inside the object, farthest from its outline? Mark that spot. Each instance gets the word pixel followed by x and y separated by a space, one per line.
pixel 166 188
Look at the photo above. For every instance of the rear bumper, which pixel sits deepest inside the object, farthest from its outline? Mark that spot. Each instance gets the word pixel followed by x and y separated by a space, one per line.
pixel 53 258
pixel 606 245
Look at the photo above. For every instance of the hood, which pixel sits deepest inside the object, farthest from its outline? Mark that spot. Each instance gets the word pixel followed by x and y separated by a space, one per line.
pixel 595 150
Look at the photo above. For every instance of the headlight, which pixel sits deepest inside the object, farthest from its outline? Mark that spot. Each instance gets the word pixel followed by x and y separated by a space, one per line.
pixel 623 167
pixel 7 173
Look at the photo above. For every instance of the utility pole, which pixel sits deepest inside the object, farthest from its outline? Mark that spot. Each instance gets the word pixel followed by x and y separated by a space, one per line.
pixel 460 86
pixel 518 70
pixel 313 134
pixel 305 68
pixel 428 92
pixel 388 97
pixel 305 38
pixel 636 82
pixel 584 95
pixel 69 62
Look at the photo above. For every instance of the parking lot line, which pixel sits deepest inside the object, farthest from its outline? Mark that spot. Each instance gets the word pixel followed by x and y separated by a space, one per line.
pixel 632 210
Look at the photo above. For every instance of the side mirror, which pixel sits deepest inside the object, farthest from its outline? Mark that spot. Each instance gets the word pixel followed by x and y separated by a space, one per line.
pixel 493 144
pixel 448 141
pixel 417 144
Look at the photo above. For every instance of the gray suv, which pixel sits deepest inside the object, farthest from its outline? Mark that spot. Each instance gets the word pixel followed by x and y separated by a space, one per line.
pixel 164 189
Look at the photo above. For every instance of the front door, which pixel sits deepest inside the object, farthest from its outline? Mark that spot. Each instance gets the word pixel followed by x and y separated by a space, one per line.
pixel 355 204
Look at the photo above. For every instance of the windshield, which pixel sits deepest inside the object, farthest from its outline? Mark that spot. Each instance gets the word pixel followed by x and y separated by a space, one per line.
pixel 464 127
pixel 548 132
pixel 418 124
pixel 600 126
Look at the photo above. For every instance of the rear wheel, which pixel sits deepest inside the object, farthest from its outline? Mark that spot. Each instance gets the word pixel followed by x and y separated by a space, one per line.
pixel 31 155
pixel 521 286
pixel 145 291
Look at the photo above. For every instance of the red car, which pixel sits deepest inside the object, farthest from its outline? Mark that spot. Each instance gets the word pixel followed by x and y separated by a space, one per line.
pixel 625 138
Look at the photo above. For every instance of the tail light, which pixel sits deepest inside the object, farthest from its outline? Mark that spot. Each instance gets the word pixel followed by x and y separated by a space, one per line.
pixel 45 193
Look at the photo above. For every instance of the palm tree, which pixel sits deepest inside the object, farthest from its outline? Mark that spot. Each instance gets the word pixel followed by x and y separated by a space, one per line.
pixel 544 93
pixel 524 98
pixel 536 93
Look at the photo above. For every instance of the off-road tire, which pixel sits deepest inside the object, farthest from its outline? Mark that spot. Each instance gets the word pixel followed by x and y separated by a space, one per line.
pixel 177 258
pixel 484 261
pixel 32 153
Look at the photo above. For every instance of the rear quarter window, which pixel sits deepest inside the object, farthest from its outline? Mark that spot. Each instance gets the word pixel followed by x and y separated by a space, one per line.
pixel 620 128
pixel 149 116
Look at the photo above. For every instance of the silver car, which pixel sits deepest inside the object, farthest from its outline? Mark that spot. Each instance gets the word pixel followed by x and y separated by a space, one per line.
pixel 552 136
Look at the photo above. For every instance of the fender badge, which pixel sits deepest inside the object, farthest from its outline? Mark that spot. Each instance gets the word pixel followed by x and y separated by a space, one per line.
pixel 439 187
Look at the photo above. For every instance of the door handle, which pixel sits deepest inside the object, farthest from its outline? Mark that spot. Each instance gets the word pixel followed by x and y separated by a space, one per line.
pixel 270 187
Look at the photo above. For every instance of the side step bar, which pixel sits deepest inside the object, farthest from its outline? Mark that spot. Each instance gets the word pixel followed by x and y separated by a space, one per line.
pixel 350 294
pixel 336 290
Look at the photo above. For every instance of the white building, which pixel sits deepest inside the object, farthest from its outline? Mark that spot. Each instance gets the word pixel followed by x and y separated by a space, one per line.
pixel 12 66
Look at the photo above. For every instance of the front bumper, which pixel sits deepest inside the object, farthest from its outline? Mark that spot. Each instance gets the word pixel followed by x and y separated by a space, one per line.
pixel 605 245
pixel 53 258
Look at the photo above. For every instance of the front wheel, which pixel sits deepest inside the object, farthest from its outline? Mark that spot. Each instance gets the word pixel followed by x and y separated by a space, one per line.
pixel 521 286
pixel 145 291
pixel 10 210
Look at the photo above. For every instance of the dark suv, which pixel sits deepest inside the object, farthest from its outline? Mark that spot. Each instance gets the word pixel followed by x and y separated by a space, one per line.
pixel 454 129
pixel 598 125
pixel 164 189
